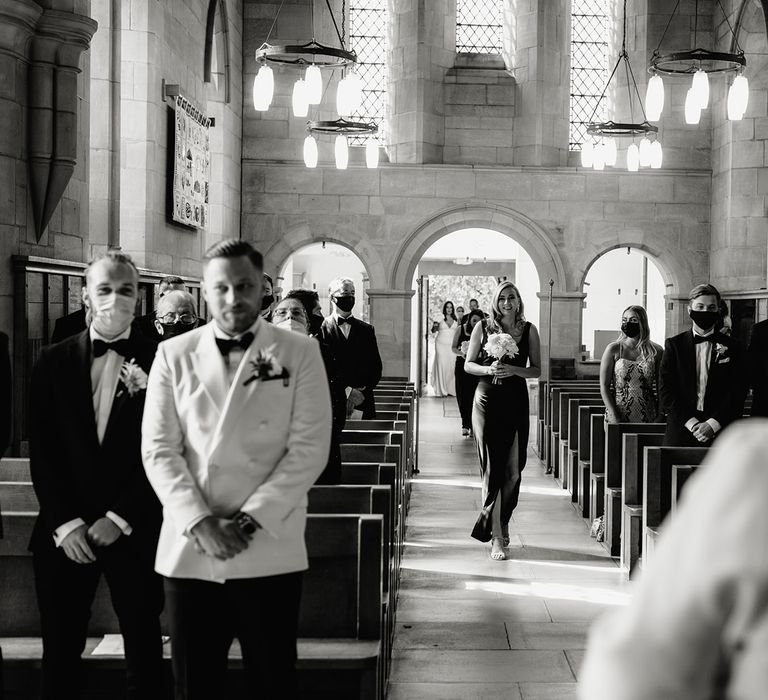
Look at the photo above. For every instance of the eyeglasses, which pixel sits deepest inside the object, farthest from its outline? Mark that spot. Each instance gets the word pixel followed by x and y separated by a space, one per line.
pixel 186 319
pixel 293 313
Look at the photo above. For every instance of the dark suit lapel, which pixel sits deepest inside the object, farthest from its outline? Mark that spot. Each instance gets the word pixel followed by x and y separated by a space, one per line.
pixel 688 357
pixel 81 361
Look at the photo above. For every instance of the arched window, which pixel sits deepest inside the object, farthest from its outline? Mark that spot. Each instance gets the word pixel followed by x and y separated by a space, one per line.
pixel 589 65
pixel 478 26
pixel 368 38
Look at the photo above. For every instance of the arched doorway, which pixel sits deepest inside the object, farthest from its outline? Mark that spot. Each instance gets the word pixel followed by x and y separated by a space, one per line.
pixel 315 265
pixel 617 279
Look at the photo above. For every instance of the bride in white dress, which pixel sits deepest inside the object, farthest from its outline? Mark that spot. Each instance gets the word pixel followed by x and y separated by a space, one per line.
pixel 443 364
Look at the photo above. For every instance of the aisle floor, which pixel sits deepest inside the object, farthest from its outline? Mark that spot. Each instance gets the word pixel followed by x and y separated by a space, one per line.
pixel 468 627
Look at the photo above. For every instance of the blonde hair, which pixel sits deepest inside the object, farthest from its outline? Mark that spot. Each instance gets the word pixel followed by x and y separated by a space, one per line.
pixel 494 326
pixel 644 345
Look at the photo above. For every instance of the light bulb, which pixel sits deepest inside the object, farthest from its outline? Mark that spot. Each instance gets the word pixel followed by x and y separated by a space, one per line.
pixel 654 98
pixel 598 157
pixel 310 152
pixel 738 98
pixel 633 158
pixel 342 98
pixel 263 88
pixel 645 152
pixel 611 153
pixel 314 80
pixel 700 87
pixel 587 151
pixel 341 151
pixel 355 92
pixel 692 109
pixel 300 103
pixel 372 153
pixel 657 155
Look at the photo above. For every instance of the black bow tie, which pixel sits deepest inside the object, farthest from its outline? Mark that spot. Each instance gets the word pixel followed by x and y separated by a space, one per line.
pixel 341 320
pixel 227 344
pixel 704 338
pixel 121 347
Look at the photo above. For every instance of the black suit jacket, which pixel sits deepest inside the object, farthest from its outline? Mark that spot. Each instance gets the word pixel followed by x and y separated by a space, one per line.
pixel 725 393
pixel 69 325
pixel 73 475
pixel 146 326
pixel 357 357
pixel 758 368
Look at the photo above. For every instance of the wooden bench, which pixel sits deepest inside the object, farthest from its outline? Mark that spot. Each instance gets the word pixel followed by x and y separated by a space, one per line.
pixel 680 475
pixel 553 461
pixel 544 416
pixel 569 441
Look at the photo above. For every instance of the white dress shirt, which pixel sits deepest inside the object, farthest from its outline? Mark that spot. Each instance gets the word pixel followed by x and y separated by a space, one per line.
pixel 105 374
pixel 703 360
pixel 235 357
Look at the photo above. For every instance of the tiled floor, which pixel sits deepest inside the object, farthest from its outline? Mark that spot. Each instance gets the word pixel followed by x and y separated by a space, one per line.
pixel 469 627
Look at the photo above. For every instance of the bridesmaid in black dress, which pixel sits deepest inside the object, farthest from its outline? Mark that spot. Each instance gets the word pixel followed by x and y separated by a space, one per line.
pixel 465 383
pixel 500 417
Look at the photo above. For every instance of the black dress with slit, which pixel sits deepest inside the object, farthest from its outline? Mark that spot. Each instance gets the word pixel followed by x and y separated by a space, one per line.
pixel 500 422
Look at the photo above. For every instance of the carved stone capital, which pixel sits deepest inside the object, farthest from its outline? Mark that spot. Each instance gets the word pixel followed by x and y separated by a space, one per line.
pixel 18 19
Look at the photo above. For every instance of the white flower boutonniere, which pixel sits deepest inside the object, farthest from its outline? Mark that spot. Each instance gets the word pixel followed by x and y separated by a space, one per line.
pixel 721 352
pixel 133 377
pixel 266 367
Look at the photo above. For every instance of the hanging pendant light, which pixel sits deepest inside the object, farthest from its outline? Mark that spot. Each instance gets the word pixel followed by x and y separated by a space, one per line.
pixel 314 80
pixel 349 94
pixel 644 152
pixel 611 152
pixel 300 102
pixel 310 152
pixel 587 151
pixel 700 87
pixel 654 98
pixel 692 108
pixel 263 88
pixel 657 155
pixel 738 98
pixel 598 157
pixel 341 151
pixel 633 158
pixel 372 153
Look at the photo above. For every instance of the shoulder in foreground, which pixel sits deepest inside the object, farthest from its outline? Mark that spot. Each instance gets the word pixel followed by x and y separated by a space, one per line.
pixel 183 343
pixel 760 328
pixel 288 338
pixel 743 447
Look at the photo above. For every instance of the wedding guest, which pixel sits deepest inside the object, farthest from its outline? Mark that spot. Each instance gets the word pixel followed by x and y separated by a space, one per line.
pixel 758 368
pixel 146 323
pixel 460 314
pixel 500 417
pixel 175 315
pixel 697 624
pixel 98 515
pixel 310 299
pixel 703 382
pixel 237 429
pixel 71 324
pixel 465 383
pixel 291 314
pixel 725 316
pixel 629 371
pixel 268 299
pixel 474 304
pixel 354 347
pixel 443 365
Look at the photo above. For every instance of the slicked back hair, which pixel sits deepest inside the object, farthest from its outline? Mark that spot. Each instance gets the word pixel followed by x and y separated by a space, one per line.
pixel 309 298
pixel 701 290
pixel 234 248
pixel 116 257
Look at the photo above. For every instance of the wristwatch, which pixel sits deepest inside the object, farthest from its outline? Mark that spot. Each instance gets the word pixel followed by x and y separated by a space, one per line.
pixel 245 522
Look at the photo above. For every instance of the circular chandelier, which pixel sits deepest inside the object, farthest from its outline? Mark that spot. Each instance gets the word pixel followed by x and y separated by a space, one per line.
pixel 340 129
pixel 602 151
pixel 699 63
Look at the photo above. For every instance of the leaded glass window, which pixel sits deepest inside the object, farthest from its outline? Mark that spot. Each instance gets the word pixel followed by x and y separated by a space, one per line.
pixel 589 65
pixel 368 38
pixel 478 26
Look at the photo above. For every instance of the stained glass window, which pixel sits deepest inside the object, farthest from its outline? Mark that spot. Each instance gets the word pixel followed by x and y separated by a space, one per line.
pixel 589 65
pixel 478 26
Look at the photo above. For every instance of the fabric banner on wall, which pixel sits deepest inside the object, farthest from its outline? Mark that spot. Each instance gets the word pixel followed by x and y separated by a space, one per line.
pixel 192 165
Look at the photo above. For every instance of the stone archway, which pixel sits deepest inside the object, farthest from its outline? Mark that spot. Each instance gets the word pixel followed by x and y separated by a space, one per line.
pixel 670 275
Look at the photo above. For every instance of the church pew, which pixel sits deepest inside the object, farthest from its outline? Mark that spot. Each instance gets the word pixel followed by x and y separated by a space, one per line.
pixel 553 457
pixel 544 421
pixel 569 440
pixel 560 437
pixel 680 475
pixel 14 469
pixel 579 446
pixel 614 433
pixel 339 652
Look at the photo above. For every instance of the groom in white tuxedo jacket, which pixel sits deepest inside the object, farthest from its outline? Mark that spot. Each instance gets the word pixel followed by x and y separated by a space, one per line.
pixel 236 429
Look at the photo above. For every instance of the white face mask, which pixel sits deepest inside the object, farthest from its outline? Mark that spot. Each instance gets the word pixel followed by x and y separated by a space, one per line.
pixel 112 314
pixel 292 324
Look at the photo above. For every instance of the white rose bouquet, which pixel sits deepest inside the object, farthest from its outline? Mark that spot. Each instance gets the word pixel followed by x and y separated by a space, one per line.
pixel 500 346
pixel 464 347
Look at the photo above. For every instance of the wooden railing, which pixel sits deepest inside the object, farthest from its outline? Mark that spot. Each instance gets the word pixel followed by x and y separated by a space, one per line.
pixel 45 290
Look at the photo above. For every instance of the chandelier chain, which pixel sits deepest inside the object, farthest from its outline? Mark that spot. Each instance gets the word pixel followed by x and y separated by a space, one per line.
pixel 274 21
pixel 335 25
pixel 728 22
pixel 671 17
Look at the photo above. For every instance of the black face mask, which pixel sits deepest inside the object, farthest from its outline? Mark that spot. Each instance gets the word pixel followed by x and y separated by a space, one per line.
pixel 705 319
pixel 315 324
pixel 171 330
pixel 344 303
pixel 266 301
pixel 631 330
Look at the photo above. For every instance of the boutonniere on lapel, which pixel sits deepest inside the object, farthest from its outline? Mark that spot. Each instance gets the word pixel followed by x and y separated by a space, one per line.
pixel 721 352
pixel 133 377
pixel 266 368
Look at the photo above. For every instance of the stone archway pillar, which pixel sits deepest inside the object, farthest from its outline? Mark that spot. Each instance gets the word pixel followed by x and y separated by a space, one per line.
pixel 566 325
pixel 390 315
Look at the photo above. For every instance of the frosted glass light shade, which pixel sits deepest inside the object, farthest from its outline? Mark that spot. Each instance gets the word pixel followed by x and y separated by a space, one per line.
pixel 263 89
pixel 349 94
pixel 657 155
pixel 700 87
pixel 314 80
pixel 372 153
pixel 341 151
pixel 300 101
pixel 633 158
pixel 738 98
pixel 310 152
pixel 692 108
pixel 645 152
pixel 654 98
pixel 611 152
pixel 598 157
pixel 587 152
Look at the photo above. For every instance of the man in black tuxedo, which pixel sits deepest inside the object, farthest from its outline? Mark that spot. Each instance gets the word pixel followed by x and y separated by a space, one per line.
pixel 71 324
pixel 703 381
pixel 146 324
pixel 758 368
pixel 98 513
pixel 353 345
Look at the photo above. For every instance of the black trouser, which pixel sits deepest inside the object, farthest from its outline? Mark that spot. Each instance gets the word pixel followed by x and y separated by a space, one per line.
pixel 465 392
pixel 262 613
pixel 65 593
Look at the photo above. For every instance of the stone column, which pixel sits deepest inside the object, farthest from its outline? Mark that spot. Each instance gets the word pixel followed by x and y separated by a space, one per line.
pixel 390 314
pixel 566 325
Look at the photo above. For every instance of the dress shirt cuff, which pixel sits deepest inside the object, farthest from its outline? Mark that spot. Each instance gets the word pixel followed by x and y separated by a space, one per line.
pixel 197 519
pixel 122 524
pixel 61 532
pixel 691 422
pixel 715 425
